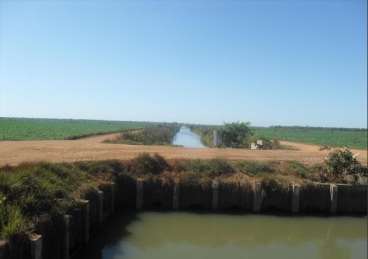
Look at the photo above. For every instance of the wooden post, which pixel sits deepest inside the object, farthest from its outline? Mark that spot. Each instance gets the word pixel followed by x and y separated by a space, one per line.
pixel 86 220
pixel 36 246
pixel 176 194
pixel 257 196
pixel 139 199
pixel 100 206
pixel 112 198
pixel 3 249
pixel 215 194
pixel 333 197
pixel 295 200
pixel 66 248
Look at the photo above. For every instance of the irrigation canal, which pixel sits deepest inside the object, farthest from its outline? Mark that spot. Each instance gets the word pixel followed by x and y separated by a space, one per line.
pixel 187 138
pixel 153 235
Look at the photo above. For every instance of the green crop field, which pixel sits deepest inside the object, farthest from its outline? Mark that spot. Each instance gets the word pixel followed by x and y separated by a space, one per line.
pixel 42 129
pixel 335 137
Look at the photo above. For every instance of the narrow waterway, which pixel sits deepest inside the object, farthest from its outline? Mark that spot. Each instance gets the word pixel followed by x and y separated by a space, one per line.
pixel 154 235
pixel 187 138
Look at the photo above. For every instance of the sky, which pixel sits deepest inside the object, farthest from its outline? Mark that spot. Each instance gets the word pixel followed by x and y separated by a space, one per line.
pixel 268 62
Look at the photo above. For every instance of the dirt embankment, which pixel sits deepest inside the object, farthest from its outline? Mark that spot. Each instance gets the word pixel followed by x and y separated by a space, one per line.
pixel 93 148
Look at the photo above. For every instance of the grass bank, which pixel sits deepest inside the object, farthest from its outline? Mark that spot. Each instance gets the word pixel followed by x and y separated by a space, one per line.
pixel 30 190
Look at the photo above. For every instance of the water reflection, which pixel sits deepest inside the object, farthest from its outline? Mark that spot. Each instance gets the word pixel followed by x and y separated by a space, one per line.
pixel 188 235
pixel 186 138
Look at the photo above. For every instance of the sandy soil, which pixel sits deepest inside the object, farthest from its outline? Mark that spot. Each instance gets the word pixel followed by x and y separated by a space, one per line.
pixel 92 148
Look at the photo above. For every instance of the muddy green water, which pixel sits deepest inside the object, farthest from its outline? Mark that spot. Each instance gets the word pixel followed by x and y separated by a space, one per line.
pixel 213 236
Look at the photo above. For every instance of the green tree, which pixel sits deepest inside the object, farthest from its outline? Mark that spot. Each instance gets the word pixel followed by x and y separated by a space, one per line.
pixel 236 134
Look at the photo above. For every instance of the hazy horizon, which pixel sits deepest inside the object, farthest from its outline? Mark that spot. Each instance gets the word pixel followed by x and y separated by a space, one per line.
pixel 179 122
pixel 290 63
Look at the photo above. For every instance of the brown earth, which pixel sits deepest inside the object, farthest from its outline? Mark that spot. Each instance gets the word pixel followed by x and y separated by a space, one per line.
pixel 93 148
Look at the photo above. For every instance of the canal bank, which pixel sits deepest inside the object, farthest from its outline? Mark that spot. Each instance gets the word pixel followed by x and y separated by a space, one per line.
pixel 62 236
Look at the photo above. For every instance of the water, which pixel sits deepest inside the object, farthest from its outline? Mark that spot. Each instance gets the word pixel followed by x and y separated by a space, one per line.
pixel 200 236
pixel 186 138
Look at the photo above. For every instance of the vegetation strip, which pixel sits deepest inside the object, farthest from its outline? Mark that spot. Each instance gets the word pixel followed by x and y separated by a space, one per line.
pixel 41 203
pixel 326 137
pixel 30 190
pixel 235 135
pixel 161 134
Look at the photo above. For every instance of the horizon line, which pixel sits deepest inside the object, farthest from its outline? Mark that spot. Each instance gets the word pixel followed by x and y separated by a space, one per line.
pixel 178 122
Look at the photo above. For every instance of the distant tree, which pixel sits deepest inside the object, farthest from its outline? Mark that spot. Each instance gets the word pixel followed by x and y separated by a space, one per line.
pixel 236 134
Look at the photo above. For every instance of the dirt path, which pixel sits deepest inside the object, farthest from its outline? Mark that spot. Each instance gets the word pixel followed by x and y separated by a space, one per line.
pixel 92 148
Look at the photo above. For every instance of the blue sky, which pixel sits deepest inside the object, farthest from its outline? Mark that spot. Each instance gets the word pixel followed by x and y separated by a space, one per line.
pixel 268 62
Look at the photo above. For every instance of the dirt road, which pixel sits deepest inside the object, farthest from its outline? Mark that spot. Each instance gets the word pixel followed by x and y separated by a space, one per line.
pixel 92 148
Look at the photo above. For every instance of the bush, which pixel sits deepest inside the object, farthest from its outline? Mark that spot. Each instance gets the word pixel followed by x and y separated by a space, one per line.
pixel 11 219
pixel 146 164
pixel 213 167
pixel 255 167
pixel 342 162
pixel 103 170
pixel 39 189
pixel 297 168
pixel 31 190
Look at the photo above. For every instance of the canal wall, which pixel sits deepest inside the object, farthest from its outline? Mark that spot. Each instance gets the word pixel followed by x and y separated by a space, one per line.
pixel 60 237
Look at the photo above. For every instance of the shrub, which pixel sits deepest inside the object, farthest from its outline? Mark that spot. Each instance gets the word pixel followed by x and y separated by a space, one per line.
pixel 146 164
pixel 297 168
pixel 255 167
pixel 342 162
pixel 30 190
pixel 220 166
pixel 212 167
pixel 103 170
pixel 11 219
pixel 40 189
